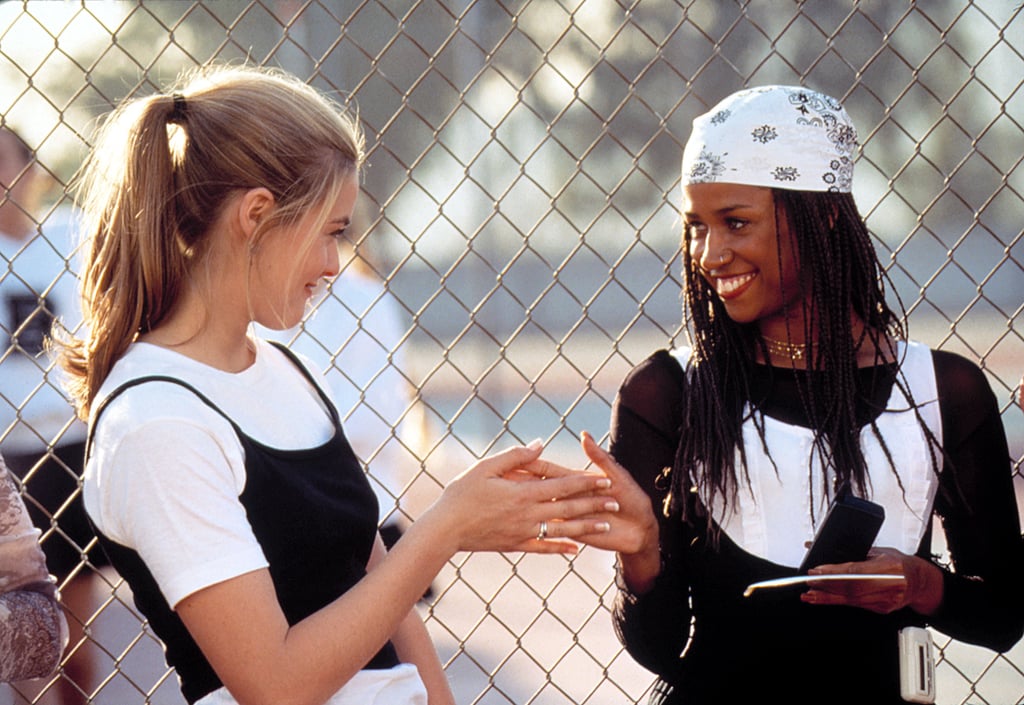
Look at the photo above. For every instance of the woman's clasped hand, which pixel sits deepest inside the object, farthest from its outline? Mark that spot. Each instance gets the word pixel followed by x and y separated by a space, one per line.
pixel 501 502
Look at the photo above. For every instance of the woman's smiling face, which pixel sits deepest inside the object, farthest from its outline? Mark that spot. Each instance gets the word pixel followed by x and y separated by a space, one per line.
pixel 293 262
pixel 740 243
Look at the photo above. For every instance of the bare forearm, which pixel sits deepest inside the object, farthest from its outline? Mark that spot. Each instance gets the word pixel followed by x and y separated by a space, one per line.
pixel 413 644
pixel 262 659
pixel 376 610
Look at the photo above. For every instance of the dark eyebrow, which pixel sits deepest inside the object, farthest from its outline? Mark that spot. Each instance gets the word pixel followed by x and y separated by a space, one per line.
pixel 346 221
pixel 724 210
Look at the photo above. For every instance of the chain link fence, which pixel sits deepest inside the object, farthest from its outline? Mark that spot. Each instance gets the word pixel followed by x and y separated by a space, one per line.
pixel 518 251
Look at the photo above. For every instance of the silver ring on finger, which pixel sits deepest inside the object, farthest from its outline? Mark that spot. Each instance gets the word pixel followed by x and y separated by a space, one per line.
pixel 543 533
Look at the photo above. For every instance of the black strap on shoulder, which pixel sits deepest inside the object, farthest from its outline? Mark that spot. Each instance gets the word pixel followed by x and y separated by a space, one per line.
pixel 331 409
pixel 118 391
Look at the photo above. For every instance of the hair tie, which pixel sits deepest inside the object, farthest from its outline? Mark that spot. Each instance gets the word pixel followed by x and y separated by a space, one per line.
pixel 178 111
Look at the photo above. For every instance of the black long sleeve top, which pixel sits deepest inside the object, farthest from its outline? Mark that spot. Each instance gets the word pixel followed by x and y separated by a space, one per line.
pixel 707 643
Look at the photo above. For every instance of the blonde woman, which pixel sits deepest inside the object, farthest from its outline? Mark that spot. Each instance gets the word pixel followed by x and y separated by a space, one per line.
pixel 217 473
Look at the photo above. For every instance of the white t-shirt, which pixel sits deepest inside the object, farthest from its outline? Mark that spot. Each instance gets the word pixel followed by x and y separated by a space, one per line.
pixel 166 471
pixel 34 410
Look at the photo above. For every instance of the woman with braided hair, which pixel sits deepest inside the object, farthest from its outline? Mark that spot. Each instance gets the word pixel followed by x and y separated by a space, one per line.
pixel 799 387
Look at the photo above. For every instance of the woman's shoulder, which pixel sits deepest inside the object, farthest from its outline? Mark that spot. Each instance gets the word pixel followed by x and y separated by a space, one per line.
pixel 660 366
pixel 275 401
pixel 947 361
pixel 143 360
pixel 658 377
pixel 961 383
pixel 129 398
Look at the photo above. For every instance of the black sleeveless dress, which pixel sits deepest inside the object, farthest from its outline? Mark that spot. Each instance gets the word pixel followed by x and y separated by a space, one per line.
pixel 313 513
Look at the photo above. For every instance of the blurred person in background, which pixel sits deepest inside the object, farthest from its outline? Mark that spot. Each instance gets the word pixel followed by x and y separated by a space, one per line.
pixel 355 333
pixel 800 388
pixel 33 630
pixel 39 433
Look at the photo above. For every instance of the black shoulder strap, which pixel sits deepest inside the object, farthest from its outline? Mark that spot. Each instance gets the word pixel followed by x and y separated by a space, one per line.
pixel 118 391
pixel 331 409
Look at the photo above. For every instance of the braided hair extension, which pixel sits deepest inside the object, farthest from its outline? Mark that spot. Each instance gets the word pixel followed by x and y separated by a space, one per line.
pixel 840 269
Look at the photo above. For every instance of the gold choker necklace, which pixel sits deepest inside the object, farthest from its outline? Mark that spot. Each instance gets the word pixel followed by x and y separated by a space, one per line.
pixel 780 348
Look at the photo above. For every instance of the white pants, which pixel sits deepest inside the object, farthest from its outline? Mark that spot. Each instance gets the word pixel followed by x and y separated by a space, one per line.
pixel 400 685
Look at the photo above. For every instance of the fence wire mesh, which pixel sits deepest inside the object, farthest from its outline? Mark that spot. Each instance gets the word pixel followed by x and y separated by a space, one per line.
pixel 519 252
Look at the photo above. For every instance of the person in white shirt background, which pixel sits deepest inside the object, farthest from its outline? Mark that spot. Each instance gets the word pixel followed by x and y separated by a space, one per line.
pixel 355 332
pixel 40 436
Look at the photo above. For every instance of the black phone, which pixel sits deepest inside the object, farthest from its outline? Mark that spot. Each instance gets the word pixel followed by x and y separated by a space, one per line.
pixel 847 532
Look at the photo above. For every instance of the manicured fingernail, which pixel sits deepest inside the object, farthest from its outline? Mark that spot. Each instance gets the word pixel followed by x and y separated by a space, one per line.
pixel 611 506
pixel 535 444
pixel 604 483
pixel 603 527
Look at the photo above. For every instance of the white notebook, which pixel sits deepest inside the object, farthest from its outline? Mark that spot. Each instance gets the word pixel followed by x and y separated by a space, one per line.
pixel 798 579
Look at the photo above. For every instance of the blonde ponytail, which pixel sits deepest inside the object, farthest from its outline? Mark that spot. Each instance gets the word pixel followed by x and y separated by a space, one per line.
pixel 161 171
